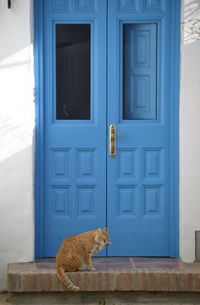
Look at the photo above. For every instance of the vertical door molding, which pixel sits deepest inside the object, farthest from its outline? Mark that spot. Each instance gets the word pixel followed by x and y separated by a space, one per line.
pixel 39 129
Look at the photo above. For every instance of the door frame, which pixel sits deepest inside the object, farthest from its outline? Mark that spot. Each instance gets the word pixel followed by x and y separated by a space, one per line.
pixel 39 127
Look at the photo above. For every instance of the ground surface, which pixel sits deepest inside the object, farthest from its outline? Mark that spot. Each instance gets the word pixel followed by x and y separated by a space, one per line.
pixel 121 298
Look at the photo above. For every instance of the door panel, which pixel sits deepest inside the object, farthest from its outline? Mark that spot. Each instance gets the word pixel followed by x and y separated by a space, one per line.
pixel 75 119
pixel 138 104
pixel 139 71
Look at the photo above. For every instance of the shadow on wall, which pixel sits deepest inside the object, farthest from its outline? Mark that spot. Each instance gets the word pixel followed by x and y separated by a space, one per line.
pixel 16 77
pixel 191 21
pixel 16 103
pixel 15 26
pixel 17 123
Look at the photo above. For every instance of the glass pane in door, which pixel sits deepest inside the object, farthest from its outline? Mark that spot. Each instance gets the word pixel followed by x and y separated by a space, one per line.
pixel 73 72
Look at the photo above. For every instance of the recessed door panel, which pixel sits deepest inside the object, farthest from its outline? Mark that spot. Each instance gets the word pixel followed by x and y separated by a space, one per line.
pixel 139 71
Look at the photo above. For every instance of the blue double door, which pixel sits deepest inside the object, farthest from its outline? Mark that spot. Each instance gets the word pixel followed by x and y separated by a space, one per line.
pixel 107 121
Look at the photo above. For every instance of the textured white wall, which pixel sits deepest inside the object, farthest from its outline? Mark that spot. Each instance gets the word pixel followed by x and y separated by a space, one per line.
pixel 189 130
pixel 16 135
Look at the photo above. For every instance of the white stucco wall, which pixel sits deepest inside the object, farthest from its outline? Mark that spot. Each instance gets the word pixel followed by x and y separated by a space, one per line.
pixel 189 131
pixel 17 134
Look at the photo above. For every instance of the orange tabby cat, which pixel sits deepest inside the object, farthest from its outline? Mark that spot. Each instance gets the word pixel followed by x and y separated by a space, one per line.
pixel 76 251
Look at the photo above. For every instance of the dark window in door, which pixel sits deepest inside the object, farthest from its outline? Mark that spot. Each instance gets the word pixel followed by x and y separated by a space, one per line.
pixel 73 72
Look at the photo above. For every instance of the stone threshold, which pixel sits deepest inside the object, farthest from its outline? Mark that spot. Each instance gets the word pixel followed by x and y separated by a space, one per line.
pixel 112 274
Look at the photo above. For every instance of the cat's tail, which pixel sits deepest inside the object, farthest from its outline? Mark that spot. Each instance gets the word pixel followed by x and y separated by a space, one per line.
pixel 60 272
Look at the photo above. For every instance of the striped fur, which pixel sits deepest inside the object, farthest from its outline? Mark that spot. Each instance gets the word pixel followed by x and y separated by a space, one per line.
pixel 76 252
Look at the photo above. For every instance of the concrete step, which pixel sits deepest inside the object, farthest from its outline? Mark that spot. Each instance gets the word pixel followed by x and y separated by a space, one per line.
pixel 112 274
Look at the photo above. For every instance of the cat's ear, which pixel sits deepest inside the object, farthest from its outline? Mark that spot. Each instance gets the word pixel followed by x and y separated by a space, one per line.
pixel 105 229
pixel 99 231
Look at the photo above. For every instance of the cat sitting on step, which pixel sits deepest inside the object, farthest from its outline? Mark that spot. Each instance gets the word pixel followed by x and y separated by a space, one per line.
pixel 76 252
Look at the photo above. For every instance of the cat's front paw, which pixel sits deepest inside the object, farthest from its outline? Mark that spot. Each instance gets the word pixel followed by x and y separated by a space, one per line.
pixel 92 269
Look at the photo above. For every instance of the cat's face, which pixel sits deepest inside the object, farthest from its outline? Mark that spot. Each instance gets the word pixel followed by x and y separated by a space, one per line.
pixel 102 238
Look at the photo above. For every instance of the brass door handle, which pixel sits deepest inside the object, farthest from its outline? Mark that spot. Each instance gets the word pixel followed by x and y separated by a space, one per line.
pixel 112 140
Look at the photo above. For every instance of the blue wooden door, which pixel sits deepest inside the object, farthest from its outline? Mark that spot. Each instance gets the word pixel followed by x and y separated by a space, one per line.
pixel 140 184
pixel 109 62
pixel 75 119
